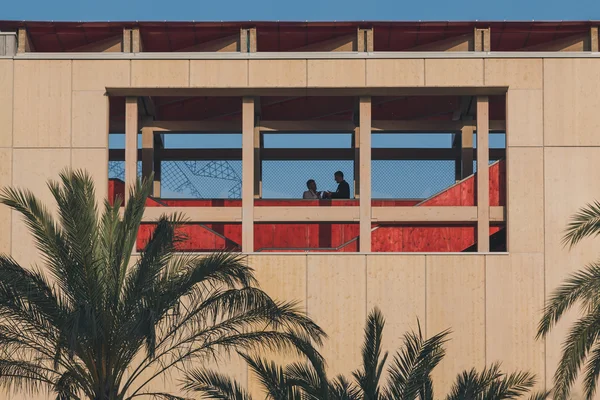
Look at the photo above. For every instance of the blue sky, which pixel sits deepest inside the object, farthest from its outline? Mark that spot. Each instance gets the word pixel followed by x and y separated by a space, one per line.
pixel 314 10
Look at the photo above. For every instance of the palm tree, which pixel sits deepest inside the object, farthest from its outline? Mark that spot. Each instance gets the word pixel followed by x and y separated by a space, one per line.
pixel 87 326
pixel 582 345
pixel 409 375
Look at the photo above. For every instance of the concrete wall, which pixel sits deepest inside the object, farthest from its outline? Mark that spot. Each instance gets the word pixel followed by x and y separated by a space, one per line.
pixel 54 114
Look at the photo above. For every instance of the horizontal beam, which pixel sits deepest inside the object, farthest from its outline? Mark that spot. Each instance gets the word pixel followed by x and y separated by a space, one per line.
pixel 195 126
pixel 195 214
pixel 306 154
pixel 345 91
pixel 454 214
pixel 424 126
pixel 307 126
pixel 306 214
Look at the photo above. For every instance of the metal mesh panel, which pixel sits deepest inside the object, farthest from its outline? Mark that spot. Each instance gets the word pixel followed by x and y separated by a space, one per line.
pixel 193 179
pixel 116 170
pixel 410 179
pixel 287 179
pixel 201 179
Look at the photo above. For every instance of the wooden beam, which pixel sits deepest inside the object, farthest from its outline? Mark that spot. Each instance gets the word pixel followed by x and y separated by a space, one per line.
pixel 306 214
pixel 396 91
pixel 483 175
pixel 482 39
pixel 257 163
pixel 307 126
pixel 24 44
pixel 272 154
pixel 248 174
pixel 127 40
pixel 365 174
pixel 159 144
pixel 147 153
pixel 195 126
pixel 432 215
pixel 466 158
pixel 356 145
pixel 594 39
pixel 131 145
pixel 137 46
pixel 426 126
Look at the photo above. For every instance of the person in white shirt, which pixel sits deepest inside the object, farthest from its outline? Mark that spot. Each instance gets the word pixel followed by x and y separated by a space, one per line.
pixel 311 193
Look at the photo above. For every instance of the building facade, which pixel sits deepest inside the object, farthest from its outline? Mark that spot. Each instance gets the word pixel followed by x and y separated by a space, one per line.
pixel 478 253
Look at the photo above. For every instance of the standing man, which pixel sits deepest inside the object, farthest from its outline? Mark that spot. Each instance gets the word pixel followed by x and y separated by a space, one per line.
pixel 343 189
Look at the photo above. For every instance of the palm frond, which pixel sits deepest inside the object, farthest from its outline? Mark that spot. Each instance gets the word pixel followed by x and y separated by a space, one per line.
pixel 592 371
pixel 409 373
pixel 341 389
pixel 368 377
pixel 582 286
pixel 511 386
pixel 213 385
pixel 271 376
pixel 576 347
pixel 540 396
pixel 473 384
pixel 585 223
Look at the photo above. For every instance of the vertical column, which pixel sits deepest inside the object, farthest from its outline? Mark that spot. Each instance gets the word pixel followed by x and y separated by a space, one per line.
pixel 482 40
pixel 466 139
pixel 365 173
pixel 127 40
pixel 483 174
pixel 257 161
pixel 364 40
pixel 24 42
pixel 594 39
pixel 131 137
pixel 159 141
pixel 147 152
pixel 356 145
pixel 136 41
pixel 248 174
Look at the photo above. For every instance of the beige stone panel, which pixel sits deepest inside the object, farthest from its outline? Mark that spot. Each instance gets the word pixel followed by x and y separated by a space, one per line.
pixel 525 198
pixel 568 187
pixel 453 72
pixel 456 301
pixel 219 73
pixel 336 73
pixel 525 118
pixel 160 73
pixel 42 116
pixel 571 102
pixel 6 102
pixel 515 73
pixel 283 277
pixel 95 162
pixel 5 213
pixel 32 168
pixel 514 301
pixel 336 301
pixel 90 119
pixel 100 74
pixel 395 72
pixel 277 73
pixel 397 283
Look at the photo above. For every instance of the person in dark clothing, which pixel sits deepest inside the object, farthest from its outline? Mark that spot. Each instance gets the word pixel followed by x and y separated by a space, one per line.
pixel 343 189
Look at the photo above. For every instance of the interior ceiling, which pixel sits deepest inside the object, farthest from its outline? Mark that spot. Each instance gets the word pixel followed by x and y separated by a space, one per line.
pixel 288 36
pixel 309 108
